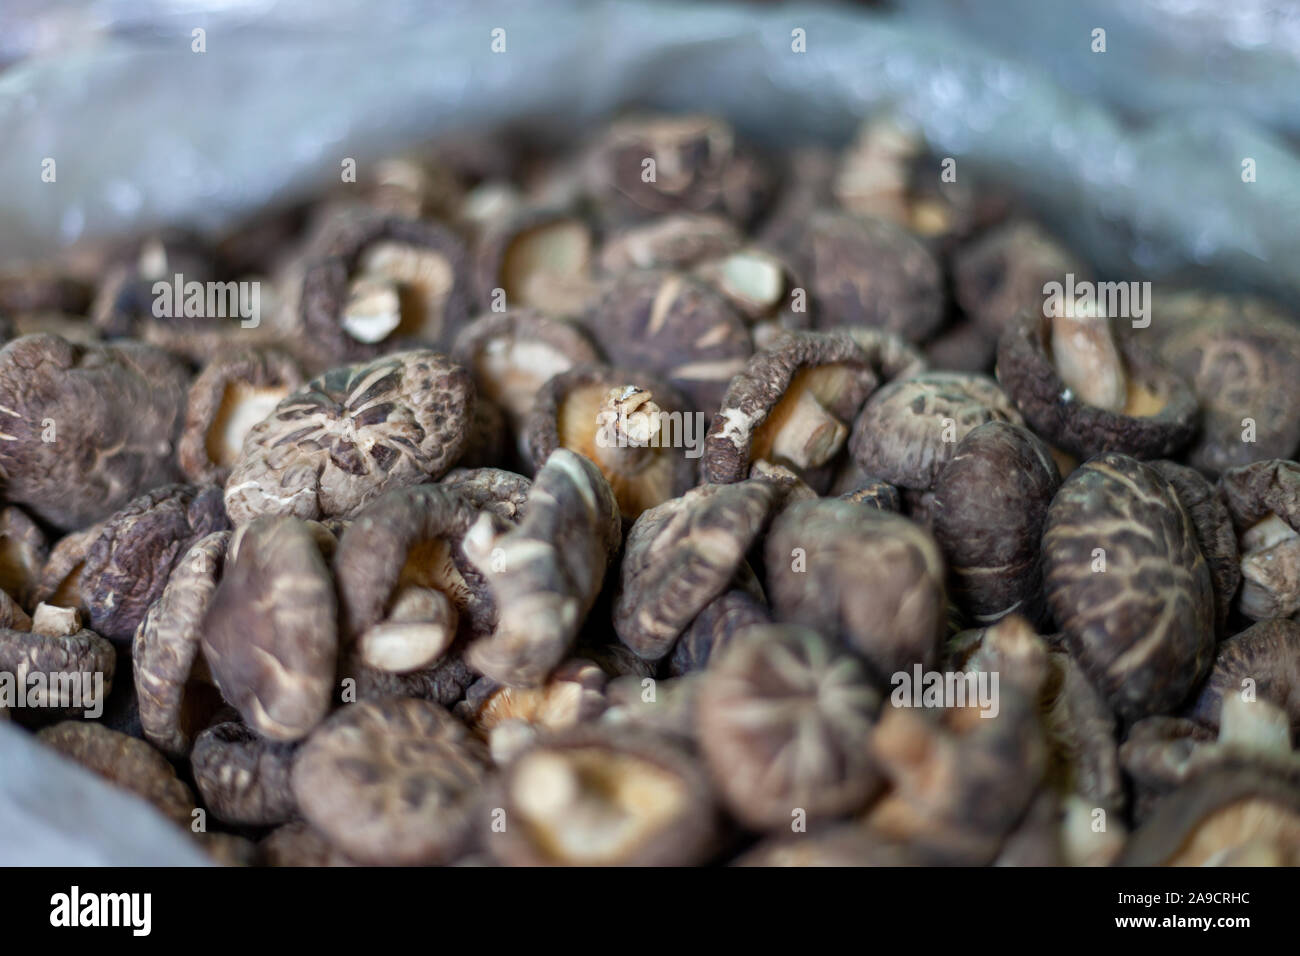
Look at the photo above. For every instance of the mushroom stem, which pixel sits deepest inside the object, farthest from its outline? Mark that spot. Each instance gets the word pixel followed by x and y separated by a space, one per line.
pixel 55 621
pixel 810 436
pixel 1256 725
pixel 418 630
pixel 628 429
pixel 373 310
pixel 1088 360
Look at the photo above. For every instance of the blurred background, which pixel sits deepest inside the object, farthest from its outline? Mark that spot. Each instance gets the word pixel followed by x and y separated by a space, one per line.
pixel 1134 154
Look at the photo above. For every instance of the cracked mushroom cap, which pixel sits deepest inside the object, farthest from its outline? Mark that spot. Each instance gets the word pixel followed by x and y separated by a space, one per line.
pixel 785 723
pixel 637 429
pixel 791 405
pixel 603 796
pixel 545 573
pixel 396 782
pixel 125 762
pixel 1242 360
pixel 175 698
pixel 57 662
pixel 389 281
pixel 24 550
pixel 405 588
pixel 1127 583
pixel 1086 390
pixel 513 354
pixel 352 434
pixel 540 258
pixel 681 555
pixel 1263 499
pixel 871 578
pixel 128 565
pixel 874 273
pixel 243 778
pixel 1226 818
pixel 231 395
pixel 1263 660
pixel 86 429
pixel 1214 532
pixel 675 326
pixel 909 429
pixel 270 633
pixel 990 501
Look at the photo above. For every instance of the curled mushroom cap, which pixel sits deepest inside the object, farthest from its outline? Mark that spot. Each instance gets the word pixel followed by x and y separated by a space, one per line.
pixel 637 429
pixel 351 434
pixel 990 502
pixel 683 554
pixel 391 280
pixel 23 552
pixel 872 272
pixel 231 395
pixel 872 578
pixel 544 574
pixel 125 762
pixel 86 428
pixel 243 778
pixel 602 796
pixel 791 405
pixel 909 429
pixel 1262 662
pixel 1126 581
pixel 1264 501
pixel 1086 391
pixel 675 326
pixel 785 721
pixel 173 699
pixel 270 635
pixel 393 782
pixel 1242 360
pixel 539 258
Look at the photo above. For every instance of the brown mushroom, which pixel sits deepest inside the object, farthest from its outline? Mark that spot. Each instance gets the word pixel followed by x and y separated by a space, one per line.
pixel 231 395
pixel 352 434
pixel 714 628
pixel 243 778
pixel 270 633
pixel 86 429
pixel 1263 662
pixel 395 782
pixel 537 258
pixel 300 844
pixel 23 552
pixel 57 666
pixel 674 241
pixel 637 429
pixel 1264 501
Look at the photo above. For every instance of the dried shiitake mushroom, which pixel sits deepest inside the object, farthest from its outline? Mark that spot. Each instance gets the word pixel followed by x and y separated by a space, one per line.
pixel 666 707
pixel 785 723
pixel 791 405
pixel 390 281
pixel 270 635
pixel 352 434
pixel 675 241
pixel 684 553
pixel 600 796
pixel 232 394
pixel 1087 391
pixel 1242 360
pixel 675 326
pixel 539 259
pixel 60 580
pixel 1083 756
pixel 647 165
pixel 544 574
pixel 1263 661
pixel 874 273
pixel 637 429
pixel 86 429
pixel 124 762
pixel 990 501
pixel 127 566
pixel 123 304
pixel 1127 583
pixel 1264 501
pixel 714 628
pixel 513 354
pixel 12 616
pixel 23 552
pixel 873 579
pixel 909 429
pixel 1004 272
pixel 393 782
pixel 504 493
pixel 444 682
pixel 58 664
pixel 243 778
pixel 405 589
pixel 175 697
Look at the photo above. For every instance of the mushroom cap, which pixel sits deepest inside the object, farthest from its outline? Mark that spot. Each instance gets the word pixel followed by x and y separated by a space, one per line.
pixel 392 782
pixel 270 634
pixel 1255 491
pixel 165 648
pixel 1143 629
pixel 504 493
pixel 672 241
pixel 352 434
pixel 1268 655
pixel 23 552
pixel 1027 373
pixel 243 778
pixel 82 654
pixel 681 555
pixel 785 719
